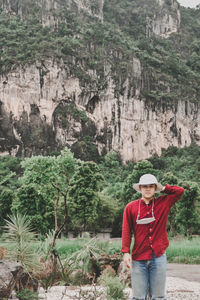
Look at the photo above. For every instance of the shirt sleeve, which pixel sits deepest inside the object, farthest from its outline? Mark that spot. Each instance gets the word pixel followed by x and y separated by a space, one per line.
pixel 126 230
pixel 174 193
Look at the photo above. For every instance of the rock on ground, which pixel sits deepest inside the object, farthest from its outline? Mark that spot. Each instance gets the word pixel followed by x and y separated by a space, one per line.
pixel 10 273
pixel 177 289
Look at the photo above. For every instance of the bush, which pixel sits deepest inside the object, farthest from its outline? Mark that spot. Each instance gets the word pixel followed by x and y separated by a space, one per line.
pixel 27 295
pixel 114 287
pixel 78 278
pixel 19 234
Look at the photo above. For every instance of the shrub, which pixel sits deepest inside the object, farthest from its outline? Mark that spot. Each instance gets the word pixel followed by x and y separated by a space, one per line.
pixel 114 287
pixel 19 233
pixel 27 295
pixel 82 259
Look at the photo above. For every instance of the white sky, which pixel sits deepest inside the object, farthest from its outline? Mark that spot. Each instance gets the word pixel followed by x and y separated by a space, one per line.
pixel 189 3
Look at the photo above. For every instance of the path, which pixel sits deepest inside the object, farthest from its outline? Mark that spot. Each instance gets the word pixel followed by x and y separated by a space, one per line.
pixel 184 271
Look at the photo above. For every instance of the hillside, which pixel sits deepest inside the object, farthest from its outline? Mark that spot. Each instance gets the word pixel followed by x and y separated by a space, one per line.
pixel 98 76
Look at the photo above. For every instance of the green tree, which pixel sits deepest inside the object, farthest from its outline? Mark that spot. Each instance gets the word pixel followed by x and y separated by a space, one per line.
pixel 9 172
pixel 171 179
pixel 42 195
pixel 187 218
pixel 107 210
pixel 33 204
pixel 83 198
pixel 6 198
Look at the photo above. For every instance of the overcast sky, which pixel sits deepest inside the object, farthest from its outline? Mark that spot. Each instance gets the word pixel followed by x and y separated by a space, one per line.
pixel 189 3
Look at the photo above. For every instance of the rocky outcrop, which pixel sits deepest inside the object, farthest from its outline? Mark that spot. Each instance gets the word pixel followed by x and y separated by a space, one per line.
pixel 49 7
pixel 165 21
pixel 44 111
pixel 45 106
pixel 10 273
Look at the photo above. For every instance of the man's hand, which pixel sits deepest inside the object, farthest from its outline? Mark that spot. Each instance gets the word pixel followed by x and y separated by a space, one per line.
pixel 127 260
pixel 163 189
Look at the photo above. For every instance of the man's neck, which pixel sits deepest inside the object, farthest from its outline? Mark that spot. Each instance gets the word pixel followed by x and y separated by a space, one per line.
pixel 147 200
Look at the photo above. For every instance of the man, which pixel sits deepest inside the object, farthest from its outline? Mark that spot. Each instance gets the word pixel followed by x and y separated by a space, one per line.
pixel 147 218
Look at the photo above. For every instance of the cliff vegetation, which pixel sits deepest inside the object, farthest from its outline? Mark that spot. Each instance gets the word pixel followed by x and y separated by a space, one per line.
pixel 85 42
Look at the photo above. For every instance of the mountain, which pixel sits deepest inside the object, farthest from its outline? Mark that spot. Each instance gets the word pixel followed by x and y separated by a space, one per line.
pixel 98 75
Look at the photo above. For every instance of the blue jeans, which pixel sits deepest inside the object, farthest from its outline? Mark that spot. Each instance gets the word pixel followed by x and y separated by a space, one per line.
pixel 149 276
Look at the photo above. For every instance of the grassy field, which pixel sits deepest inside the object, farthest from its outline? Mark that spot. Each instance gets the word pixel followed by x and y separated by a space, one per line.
pixel 184 251
pixel 181 250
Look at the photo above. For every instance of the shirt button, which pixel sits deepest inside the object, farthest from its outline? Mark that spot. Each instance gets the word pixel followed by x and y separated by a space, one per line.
pixel 150 229
pixel 148 213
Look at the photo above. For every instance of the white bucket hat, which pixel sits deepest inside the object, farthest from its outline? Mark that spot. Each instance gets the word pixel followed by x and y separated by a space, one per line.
pixel 148 179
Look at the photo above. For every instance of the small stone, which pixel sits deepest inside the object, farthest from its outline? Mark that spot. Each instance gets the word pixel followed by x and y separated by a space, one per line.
pixel 10 273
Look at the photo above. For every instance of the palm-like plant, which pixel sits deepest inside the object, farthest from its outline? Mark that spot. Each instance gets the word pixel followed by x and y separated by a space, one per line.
pixel 19 234
pixel 83 258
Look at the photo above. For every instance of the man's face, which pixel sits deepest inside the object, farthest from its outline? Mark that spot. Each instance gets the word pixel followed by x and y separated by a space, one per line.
pixel 148 190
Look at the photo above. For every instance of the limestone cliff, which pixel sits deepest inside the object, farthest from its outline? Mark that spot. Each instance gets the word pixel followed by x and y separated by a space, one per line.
pixel 48 8
pixel 164 22
pixel 45 106
pixel 39 118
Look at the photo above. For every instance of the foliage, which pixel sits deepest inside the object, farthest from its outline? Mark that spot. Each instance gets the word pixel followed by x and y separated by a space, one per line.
pixel 85 147
pixel 171 179
pixel 45 246
pixel 6 199
pixel 187 218
pixel 22 41
pixel 9 173
pixel 182 162
pixel 44 182
pixel 180 249
pixel 114 174
pixel 184 250
pixel 114 286
pixel 83 199
pixel 44 178
pixel 82 259
pixel 40 212
pixel 19 233
pixel 107 211
pixel 27 295
pixel 84 43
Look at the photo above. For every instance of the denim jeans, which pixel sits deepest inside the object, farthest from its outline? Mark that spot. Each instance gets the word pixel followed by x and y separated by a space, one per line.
pixel 149 276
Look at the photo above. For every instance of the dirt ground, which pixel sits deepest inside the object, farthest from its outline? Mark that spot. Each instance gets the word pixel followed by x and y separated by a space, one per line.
pixel 183 283
pixel 184 271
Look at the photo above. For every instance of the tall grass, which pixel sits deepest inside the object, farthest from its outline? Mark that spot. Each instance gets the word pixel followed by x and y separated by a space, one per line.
pixel 180 250
pixel 184 251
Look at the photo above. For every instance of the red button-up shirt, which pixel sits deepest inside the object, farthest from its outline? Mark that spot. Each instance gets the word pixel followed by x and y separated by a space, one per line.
pixel 153 236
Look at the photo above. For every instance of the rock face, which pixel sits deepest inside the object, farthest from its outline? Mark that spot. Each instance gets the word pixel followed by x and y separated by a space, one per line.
pixel 10 273
pixel 164 21
pixel 23 7
pixel 39 118
pixel 43 107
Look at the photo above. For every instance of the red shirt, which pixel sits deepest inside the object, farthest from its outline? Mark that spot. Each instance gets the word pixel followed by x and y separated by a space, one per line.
pixel 152 236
